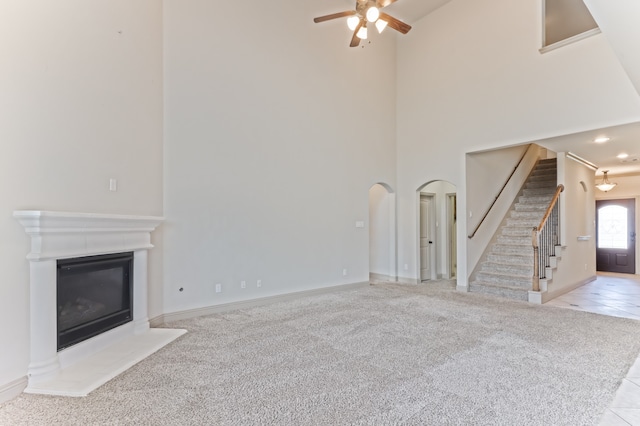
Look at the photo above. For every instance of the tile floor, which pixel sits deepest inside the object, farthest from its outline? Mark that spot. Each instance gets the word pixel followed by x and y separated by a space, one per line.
pixel 615 295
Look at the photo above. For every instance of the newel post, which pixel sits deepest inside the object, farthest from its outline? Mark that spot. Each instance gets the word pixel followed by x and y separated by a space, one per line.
pixel 536 265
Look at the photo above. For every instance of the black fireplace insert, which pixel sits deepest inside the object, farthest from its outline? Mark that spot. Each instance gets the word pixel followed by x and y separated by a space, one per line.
pixel 95 294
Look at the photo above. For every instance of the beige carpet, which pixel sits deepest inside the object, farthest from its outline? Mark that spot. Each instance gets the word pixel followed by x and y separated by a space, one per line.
pixel 381 355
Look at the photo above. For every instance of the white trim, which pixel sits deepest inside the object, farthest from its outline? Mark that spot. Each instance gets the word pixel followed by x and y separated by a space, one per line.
pixel 244 304
pixel 569 40
pixel 409 280
pixel 12 389
pixel 380 277
pixel 60 235
pixel 542 297
pixel 581 160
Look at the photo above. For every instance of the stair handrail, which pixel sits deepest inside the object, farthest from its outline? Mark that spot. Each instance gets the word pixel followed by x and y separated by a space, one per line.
pixel 486 213
pixel 549 243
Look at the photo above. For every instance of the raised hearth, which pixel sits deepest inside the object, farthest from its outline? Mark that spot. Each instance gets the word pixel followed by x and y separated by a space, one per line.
pixel 63 235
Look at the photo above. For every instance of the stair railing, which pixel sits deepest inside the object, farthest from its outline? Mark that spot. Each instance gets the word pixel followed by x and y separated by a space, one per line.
pixel 486 213
pixel 545 239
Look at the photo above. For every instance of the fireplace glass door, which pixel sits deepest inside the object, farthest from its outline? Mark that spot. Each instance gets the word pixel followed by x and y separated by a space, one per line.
pixel 94 294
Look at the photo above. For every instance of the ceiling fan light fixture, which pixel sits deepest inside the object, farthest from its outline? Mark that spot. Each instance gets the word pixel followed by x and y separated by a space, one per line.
pixel 362 33
pixel 373 14
pixel 381 24
pixel 605 185
pixel 352 22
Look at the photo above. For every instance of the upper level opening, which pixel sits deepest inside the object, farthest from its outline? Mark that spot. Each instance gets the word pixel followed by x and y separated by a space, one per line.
pixel 566 21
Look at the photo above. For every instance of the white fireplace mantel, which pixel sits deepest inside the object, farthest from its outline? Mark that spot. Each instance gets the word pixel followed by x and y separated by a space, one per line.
pixel 60 235
pixel 63 235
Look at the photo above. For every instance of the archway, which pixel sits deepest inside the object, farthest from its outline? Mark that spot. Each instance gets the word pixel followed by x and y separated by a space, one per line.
pixel 382 233
pixel 436 231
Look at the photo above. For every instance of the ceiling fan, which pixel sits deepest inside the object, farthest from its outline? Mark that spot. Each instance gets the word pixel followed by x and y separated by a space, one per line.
pixel 367 11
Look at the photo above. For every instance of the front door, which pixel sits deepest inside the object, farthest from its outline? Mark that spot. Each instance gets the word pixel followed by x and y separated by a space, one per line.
pixel 616 236
pixel 426 236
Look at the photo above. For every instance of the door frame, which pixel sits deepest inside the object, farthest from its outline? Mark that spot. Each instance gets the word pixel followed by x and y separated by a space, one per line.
pixel 636 223
pixel 451 251
pixel 434 235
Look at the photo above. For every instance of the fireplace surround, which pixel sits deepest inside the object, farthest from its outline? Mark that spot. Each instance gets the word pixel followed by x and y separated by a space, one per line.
pixel 63 235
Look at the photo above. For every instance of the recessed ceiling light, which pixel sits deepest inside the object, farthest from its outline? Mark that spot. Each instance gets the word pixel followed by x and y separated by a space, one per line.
pixel 622 156
pixel 601 139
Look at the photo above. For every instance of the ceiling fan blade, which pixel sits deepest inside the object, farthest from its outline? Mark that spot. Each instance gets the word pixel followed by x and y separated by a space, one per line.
pixel 355 40
pixel 334 16
pixel 394 23
pixel 384 3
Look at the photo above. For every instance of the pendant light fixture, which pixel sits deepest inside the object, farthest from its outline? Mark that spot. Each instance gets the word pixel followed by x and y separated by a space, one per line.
pixel 605 185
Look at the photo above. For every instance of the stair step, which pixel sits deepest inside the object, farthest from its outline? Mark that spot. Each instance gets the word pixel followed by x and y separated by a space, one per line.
pixel 515 293
pixel 550 183
pixel 527 214
pixel 509 247
pixel 531 208
pixel 522 239
pixel 538 192
pixel 504 279
pixel 512 259
pixel 523 222
pixel 517 231
pixel 516 270
pixel 540 199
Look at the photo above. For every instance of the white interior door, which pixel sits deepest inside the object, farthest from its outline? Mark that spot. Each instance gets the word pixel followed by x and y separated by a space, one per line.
pixel 426 236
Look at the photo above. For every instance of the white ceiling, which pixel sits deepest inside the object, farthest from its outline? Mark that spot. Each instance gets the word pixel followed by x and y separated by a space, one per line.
pixel 623 139
pixel 410 11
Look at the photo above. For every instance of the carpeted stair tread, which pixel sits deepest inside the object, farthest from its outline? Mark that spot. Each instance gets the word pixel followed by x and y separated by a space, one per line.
pixel 515 293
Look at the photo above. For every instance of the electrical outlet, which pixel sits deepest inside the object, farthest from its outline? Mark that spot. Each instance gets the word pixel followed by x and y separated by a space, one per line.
pixel 344 272
pixel 243 284
pixel 218 288
pixel 406 267
pixel 259 283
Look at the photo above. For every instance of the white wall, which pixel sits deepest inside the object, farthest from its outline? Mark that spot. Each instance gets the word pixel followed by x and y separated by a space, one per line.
pixel 487 173
pixel 470 77
pixel 274 136
pixel 577 264
pixel 80 102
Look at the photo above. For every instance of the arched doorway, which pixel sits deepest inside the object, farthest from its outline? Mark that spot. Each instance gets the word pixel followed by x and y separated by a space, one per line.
pixel 436 231
pixel 382 233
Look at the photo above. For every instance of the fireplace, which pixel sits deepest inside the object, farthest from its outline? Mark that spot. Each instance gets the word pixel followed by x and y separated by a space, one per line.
pixel 94 295
pixel 64 361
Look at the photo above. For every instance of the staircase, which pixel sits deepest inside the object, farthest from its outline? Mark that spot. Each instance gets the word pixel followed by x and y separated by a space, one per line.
pixel 507 270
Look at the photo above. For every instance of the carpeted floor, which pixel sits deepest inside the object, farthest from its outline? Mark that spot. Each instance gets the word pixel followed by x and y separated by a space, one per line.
pixel 381 355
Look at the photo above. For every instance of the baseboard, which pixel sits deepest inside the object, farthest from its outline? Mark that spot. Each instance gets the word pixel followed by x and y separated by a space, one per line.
pixel 462 288
pixel 553 294
pixel 408 280
pixel 12 389
pixel 380 277
pixel 243 304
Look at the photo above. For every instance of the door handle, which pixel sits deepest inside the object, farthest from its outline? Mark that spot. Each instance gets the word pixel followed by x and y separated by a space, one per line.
pixel 430 242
